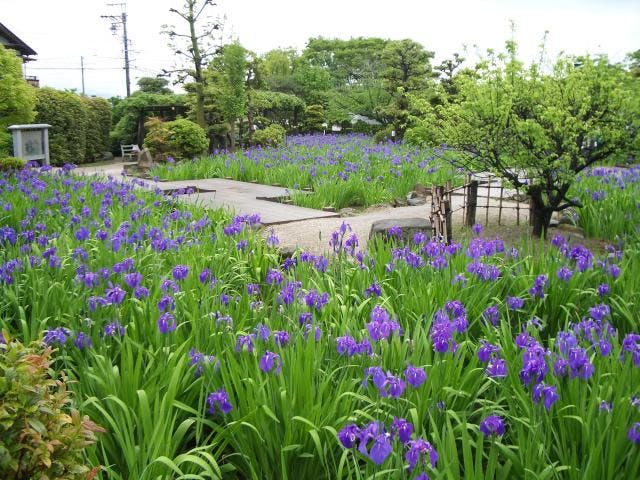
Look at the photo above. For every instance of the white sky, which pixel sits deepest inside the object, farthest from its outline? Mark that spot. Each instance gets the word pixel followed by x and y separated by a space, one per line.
pixel 62 31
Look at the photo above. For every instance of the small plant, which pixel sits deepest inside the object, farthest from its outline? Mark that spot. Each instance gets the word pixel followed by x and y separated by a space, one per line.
pixel 11 163
pixel 40 435
pixel 272 136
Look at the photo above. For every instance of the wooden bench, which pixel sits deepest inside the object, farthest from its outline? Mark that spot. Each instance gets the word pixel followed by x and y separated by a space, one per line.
pixel 129 151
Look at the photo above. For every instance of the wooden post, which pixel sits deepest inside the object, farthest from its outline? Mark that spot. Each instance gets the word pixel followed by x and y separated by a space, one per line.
pixel 500 204
pixel 486 217
pixel 471 195
pixel 448 224
pixel 518 206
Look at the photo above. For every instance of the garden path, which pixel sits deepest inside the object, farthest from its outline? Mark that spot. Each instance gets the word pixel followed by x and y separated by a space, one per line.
pixel 240 197
pixel 296 227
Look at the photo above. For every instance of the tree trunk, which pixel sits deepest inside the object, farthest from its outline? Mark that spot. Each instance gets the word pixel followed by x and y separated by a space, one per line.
pixel 540 212
pixel 197 63
pixel 232 136
pixel 249 118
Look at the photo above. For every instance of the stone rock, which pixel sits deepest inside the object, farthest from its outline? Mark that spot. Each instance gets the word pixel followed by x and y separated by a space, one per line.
pixel 408 226
pixel 399 202
pixel 145 160
pixel 348 212
pixel 414 199
pixel 554 222
pixel 107 156
pixel 286 251
pixel 421 190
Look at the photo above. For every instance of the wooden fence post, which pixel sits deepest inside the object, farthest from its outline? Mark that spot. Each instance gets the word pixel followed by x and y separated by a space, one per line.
pixel 471 203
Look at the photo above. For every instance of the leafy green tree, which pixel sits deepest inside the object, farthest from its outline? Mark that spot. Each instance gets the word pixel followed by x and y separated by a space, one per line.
pixel 407 69
pixel 129 112
pixel 157 85
pixel 537 129
pixel 196 47
pixel 234 98
pixel 314 118
pixel 17 97
pixel 277 70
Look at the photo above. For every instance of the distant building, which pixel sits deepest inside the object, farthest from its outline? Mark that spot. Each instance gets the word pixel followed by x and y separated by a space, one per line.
pixel 24 51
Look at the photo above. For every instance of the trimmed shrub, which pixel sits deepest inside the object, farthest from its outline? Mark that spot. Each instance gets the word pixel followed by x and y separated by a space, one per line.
pixel 11 163
pixel 41 436
pixel 272 136
pixel 98 125
pixel 181 139
pixel 80 126
pixel 66 114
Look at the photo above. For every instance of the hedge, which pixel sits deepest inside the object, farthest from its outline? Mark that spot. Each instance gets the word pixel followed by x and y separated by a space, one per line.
pixel 79 125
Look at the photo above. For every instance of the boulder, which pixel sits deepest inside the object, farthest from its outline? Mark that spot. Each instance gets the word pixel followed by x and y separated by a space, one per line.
pixel 408 227
pixel 107 156
pixel 414 199
pixel 421 190
pixel 145 160
pixel 348 212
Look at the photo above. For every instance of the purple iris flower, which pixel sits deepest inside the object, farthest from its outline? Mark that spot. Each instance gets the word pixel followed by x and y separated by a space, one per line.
pixel 402 428
pixel 496 368
pixel 166 323
pixel 515 303
pixel 492 425
pixel 416 449
pixel 634 433
pixel 115 295
pixel 547 393
pixel 415 376
pixel 270 361
pixel 56 336
pixel 219 399
pixel 180 272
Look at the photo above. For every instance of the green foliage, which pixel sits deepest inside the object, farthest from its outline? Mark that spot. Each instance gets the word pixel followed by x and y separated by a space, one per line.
pixel 543 126
pixel 157 85
pixel 180 139
pixel 41 436
pixel 98 112
pixel 420 136
pixel 234 99
pixel 17 97
pixel 384 134
pixel 276 107
pixel 271 136
pixel 66 114
pixel 11 163
pixel 129 111
pixel 144 385
pixel 314 118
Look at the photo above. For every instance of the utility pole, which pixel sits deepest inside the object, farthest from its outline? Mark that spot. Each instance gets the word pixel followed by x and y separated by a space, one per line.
pixel 82 71
pixel 118 21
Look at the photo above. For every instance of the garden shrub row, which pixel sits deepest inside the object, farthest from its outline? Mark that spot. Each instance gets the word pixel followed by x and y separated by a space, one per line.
pixel 80 126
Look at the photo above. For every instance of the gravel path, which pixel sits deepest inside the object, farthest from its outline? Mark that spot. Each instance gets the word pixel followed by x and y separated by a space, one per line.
pixel 305 228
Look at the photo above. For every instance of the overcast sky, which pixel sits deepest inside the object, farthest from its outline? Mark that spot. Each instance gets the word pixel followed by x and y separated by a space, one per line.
pixel 62 31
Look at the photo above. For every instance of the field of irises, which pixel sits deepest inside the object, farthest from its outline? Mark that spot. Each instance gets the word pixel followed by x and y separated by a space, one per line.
pixel 205 354
pixel 340 170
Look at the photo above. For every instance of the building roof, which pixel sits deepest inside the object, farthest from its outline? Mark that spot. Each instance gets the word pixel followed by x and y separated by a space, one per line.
pixel 12 41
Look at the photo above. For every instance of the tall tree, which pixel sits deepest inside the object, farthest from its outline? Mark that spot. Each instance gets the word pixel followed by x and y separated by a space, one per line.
pixel 196 47
pixel 234 99
pixel 407 69
pixel 538 130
